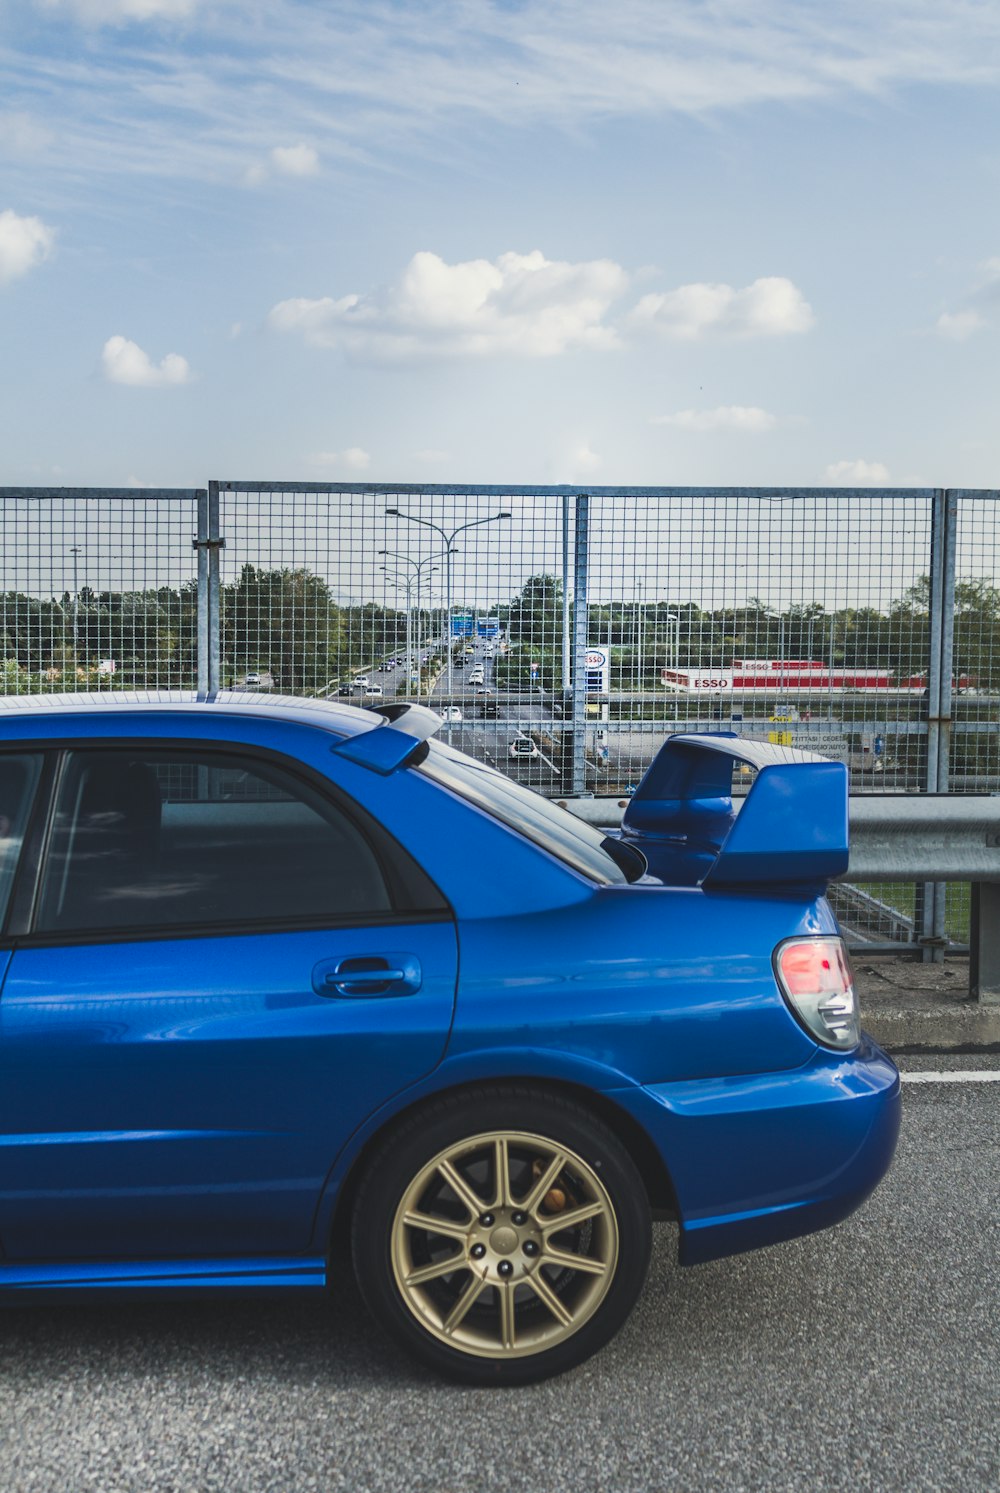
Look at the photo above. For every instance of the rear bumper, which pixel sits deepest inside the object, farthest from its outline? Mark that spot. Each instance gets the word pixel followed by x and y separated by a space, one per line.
pixel 771 1156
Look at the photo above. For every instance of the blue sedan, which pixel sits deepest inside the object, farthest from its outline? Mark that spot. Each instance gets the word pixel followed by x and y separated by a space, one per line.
pixel 285 983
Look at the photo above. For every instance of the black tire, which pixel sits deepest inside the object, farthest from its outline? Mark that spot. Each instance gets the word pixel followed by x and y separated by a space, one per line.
pixel 504 1295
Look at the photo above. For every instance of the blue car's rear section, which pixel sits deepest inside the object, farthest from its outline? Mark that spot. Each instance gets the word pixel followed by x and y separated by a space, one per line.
pixel 765 1132
pixel 798 1147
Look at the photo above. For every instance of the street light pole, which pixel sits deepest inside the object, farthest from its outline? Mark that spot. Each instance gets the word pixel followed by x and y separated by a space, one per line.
pixel 76 549
pixel 418 566
pixel 675 640
pixel 449 547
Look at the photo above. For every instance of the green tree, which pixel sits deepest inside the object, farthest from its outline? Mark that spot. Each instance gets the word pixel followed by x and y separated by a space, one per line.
pixel 284 621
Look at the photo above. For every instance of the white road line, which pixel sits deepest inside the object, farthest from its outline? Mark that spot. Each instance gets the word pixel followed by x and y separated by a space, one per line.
pixel 971 1075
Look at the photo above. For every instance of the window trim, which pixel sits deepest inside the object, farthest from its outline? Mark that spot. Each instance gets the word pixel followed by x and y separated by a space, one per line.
pixel 393 860
pixel 20 902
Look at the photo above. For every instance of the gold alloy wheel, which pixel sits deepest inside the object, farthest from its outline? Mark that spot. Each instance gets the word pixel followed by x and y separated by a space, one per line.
pixel 504 1244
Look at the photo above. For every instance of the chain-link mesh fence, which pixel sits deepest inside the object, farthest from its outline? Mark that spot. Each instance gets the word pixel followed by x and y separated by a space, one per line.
pixel 560 636
pixel 975 734
pixel 99 590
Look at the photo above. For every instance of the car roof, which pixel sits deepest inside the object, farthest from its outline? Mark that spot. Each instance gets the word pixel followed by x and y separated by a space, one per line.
pixel 347 720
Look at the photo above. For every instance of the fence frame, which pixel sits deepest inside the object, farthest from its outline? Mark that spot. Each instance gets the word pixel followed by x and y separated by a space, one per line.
pixel 208 540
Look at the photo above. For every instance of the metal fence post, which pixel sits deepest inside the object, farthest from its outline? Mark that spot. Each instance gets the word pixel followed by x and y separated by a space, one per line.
pixel 201 546
pixel 208 543
pixel 216 542
pixel 984 942
pixel 574 740
pixel 941 638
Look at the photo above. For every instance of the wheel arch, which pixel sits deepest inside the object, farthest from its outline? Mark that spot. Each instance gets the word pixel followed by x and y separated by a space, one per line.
pixel 627 1130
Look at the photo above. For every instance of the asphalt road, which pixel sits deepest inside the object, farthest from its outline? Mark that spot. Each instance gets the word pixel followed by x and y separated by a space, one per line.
pixel 865 1357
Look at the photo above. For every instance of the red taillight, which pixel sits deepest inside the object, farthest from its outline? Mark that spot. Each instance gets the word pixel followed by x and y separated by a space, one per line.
pixel 815 968
pixel 815 978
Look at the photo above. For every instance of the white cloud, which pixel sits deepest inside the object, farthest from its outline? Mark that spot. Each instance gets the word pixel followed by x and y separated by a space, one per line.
pixel 284 160
pixel 22 135
pixel 577 464
pixel 368 79
pixel 522 304
pixel 125 363
pixel 295 160
pixel 430 456
pixel 857 474
pixel 960 325
pixel 725 417
pixel 353 459
pixel 771 307
pixel 24 244
pixel 121 12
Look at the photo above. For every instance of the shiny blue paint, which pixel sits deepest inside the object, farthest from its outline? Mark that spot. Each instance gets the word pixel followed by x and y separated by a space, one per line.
pixel 651 991
pixel 790 1152
pixel 792 827
pixel 209 1096
pixel 298 1272
pixel 197 1091
pixel 382 750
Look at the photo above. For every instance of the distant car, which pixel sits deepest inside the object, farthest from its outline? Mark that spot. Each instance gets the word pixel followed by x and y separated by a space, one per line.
pixel 361 681
pixel 374 692
pixel 450 713
pixel 483 689
pixel 523 746
pixel 345 689
pixel 252 678
pixel 283 974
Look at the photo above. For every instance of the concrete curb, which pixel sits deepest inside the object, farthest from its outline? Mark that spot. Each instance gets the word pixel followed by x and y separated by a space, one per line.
pixel 910 1007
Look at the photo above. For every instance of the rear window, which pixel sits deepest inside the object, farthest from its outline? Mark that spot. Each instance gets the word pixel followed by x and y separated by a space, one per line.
pixel 556 830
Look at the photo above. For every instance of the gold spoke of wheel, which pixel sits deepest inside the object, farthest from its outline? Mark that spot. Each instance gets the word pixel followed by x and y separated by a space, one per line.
pixel 464 1300
pixel 473 1290
pixel 508 1325
pixel 435 1271
pixel 461 1188
pixel 545 1293
pixel 544 1183
pixel 442 1226
pixel 502 1197
pixel 566 1260
pixel 570 1220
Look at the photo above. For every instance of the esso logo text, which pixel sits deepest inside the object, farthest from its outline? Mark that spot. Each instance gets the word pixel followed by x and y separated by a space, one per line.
pixel 597 658
pixel 710 683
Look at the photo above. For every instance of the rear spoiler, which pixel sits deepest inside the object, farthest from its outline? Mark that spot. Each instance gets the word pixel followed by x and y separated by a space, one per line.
pixel 396 739
pixel 792 826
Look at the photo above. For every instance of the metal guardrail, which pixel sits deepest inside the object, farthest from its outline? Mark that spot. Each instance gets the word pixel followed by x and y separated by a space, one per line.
pixel 931 838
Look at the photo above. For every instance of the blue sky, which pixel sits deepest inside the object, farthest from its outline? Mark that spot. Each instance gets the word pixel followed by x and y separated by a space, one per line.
pixel 655 242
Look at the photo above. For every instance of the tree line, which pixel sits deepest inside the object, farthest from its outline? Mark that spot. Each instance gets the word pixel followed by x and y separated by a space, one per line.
pixel 645 637
pixel 286 621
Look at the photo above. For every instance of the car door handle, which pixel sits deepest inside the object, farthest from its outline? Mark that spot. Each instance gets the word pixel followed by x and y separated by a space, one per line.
pixel 368 975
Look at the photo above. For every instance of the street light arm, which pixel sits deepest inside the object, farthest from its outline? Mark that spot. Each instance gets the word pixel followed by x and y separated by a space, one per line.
pixel 473 523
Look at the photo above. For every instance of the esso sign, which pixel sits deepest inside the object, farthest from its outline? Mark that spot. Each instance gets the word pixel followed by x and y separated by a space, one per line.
pixel 597 658
pixel 712 681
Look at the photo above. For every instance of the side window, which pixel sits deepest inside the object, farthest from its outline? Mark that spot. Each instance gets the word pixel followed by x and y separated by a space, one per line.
pixel 18 779
pixel 165 839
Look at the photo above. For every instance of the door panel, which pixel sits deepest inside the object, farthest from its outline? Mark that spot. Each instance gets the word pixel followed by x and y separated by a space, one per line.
pixel 188 1096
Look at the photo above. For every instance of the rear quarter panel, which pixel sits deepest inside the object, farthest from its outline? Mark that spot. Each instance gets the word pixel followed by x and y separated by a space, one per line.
pixel 651 984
